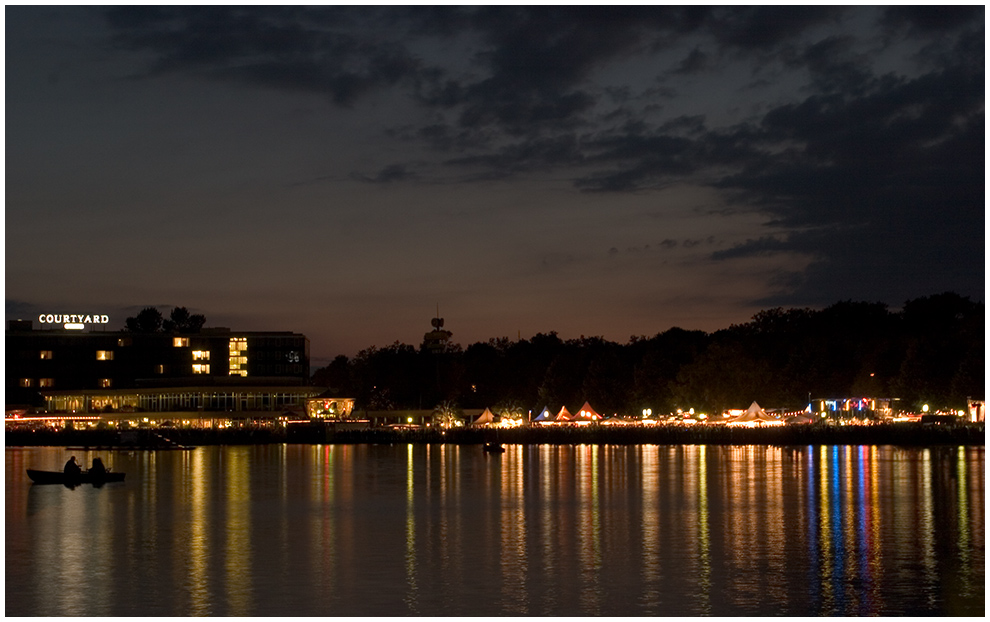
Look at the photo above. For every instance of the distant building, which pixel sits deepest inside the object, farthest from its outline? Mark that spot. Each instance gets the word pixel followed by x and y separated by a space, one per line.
pixel 977 410
pixel 98 371
pixel 854 406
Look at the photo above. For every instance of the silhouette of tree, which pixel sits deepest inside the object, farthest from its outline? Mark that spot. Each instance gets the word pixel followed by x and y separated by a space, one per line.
pixel 181 321
pixel 148 320
pixel 336 376
pixel 447 414
pixel 932 349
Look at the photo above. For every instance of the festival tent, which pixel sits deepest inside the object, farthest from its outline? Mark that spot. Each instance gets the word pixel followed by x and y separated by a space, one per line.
pixel 754 415
pixel 486 418
pixel 799 418
pixel 587 413
pixel 563 415
pixel 545 415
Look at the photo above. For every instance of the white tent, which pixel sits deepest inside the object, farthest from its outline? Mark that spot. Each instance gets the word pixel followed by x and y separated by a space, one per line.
pixel 799 419
pixel 486 418
pixel 754 416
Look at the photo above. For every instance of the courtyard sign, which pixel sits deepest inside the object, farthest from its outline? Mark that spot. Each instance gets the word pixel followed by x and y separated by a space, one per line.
pixel 73 321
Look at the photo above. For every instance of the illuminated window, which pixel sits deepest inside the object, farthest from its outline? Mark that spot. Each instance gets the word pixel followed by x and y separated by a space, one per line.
pixel 201 368
pixel 180 342
pixel 238 356
pixel 46 354
pixel 201 355
pixel 25 382
pixel 159 369
pixel 104 355
pixel 104 383
pixel 46 382
pixel 124 341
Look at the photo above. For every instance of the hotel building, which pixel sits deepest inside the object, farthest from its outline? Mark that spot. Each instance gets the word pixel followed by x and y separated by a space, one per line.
pixel 182 376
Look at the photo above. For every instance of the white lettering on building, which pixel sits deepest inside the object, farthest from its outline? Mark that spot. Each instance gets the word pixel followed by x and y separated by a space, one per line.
pixel 73 321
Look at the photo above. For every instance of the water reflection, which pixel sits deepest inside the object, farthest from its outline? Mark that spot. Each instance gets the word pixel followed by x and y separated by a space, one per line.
pixel 704 540
pixel 538 530
pixel 649 484
pixel 927 527
pixel 514 558
pixel 588 528
pixel 238 533
pixel 411 587
pixel 547 527
pixel 199 544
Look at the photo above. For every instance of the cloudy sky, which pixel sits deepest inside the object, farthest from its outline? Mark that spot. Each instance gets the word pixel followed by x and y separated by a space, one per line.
pixel 341 172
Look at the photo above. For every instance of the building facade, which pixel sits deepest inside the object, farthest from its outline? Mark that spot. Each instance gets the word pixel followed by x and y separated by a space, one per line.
pixel 215 369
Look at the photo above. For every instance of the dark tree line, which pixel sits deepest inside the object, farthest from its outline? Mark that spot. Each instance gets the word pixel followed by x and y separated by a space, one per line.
pixel 931 351
pixel 151 320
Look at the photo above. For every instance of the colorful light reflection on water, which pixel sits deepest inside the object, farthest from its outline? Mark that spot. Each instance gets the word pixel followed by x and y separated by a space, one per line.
pixel 538 530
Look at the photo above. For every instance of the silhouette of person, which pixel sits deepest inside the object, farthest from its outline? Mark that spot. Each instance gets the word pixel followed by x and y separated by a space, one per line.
pixel 98 470
pixel 72 469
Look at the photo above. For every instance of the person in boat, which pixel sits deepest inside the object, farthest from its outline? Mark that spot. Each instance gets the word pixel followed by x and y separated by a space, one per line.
pixel 72 469
pixel 98 470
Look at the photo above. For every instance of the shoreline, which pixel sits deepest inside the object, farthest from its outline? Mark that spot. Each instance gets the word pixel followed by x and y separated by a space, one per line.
pixel 901 434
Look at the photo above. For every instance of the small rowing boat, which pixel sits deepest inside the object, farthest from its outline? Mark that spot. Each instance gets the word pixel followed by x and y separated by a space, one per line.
pixel 58 477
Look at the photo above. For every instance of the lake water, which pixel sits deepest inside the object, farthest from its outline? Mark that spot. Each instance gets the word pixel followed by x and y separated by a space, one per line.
pixel 539 530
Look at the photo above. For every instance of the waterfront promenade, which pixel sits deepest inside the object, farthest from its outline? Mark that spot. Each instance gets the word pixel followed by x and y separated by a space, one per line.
pixel 902 433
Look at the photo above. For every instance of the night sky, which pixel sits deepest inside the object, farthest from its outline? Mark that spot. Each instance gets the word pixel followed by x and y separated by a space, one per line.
pixel 593 171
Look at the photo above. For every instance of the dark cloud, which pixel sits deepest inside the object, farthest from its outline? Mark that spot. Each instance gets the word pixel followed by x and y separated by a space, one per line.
pixel 534 63
pixel 933 18
pixel 833 67
pixel 391 173
pixel 878 187
pixel 767 245
pixel 766 27
pixel 869 172
pixel 530 155
pixel 20 309
pixel 695 62
pixel 286 48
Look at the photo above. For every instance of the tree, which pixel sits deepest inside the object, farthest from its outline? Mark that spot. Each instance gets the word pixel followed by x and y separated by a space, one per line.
pixel 606 382
pixel 725 376
pixel 448 415
pixel 561 382
pixel 182 322
pixel 336 376
pixel 509 409
pixel 149 320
